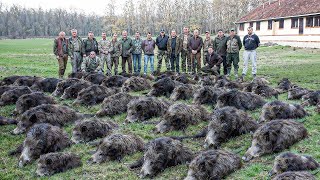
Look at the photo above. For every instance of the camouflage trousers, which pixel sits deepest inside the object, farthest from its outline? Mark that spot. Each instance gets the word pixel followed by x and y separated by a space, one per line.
pixel 106 59
pixel 163 54
pixel 62 65
pixel 114 61
pixel 185 58
pixel 76 61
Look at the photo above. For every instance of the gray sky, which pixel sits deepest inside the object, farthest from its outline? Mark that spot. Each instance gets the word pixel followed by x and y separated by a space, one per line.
pixel 89 6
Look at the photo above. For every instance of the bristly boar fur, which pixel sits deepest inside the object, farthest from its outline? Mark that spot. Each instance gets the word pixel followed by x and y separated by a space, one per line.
pixel 275 136
pixel 207 95
pixel 53 163
pixel 27 80
pixel 136 84
pixel 46 85
pixel 213 164
pixel 115 104
pixel 288 161
pixel 297 92
pixel 183 92
pixel 311 99
pixel 114 81
pixel 295 175
pixel 72 91
pixel 284 85
pixel 9 80
pixel 162 87
pixel 62 85
pixel 11 96
pixel 95 78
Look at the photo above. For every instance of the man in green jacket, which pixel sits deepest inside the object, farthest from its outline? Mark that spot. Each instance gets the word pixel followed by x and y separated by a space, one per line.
pixel 233 47
pixel 92 63
pixel 115 52
pixel 127 48
pixel 206 44
pixel 75 51
pixel 219 46
pixel 60 49
pixel 90 44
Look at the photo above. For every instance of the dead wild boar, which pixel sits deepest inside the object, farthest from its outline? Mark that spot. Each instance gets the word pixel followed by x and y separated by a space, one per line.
pixel 114 81
pixel 162 87
pixel 95 78
pixel 311 99
pixel 28 101
pixel 295 175
pixel 94 95
pixel 54 114
pixel 91 129
pixel 46 85
pixel 27 80
pixel 180 116
pixel 8 80
pixel 288 161
pixel 183 92
pixel 207 95
pixel 281 110
pixel 58 162
pixel 3 89
pixel 135 84
pixel 160 154
pixel 72 91
pixel 297 92
pixel 115 104
pixel 41 139
pixel 144 108
pixel 11 96
pixel 116 146
pixel 240 100
pixel 284 85
pixel 62 85
pixel 226 123
pixel 275 136
pixel 213 164
pixel 265 91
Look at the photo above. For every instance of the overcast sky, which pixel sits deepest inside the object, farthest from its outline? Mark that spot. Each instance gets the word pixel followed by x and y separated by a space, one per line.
pixel 88 6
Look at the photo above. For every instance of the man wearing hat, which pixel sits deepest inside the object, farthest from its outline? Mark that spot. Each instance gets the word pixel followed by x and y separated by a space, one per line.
pixel 161 42
pixel 206 43
pixel 233 47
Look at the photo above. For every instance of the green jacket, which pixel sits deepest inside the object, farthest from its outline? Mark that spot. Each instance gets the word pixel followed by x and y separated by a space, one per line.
pixel 72 43
pixel 185 46
pixel 220 45
pixel 104 46
pixel 60 47
pixel 127 47
pixel 178 45
pixel 92 65
pixel 234 44
pixel 115 48
pixel 90 45
pixel 206 44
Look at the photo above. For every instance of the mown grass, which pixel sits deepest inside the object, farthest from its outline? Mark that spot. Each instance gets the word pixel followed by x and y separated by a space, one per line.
pixel 34 57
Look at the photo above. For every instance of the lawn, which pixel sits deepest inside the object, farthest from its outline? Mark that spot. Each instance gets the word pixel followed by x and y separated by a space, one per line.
pixel 34 57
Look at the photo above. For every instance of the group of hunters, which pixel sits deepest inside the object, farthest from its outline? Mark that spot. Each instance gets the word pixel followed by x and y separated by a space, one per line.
pixel 89 55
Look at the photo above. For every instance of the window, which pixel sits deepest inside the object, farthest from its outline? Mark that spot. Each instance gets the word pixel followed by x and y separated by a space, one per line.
pixel 294 23
pixel 309 22
pixel 281 23
pixel 316 21
pixel 251 24
pixel 270 24
pixel 241 27
pixel 257 25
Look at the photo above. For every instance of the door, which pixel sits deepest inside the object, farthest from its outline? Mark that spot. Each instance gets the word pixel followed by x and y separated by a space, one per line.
pixel 300 25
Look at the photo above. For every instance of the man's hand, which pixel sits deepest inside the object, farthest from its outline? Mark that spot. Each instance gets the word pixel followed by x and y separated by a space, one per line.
pixel 58 57
pixel 206 64
pixel 194 52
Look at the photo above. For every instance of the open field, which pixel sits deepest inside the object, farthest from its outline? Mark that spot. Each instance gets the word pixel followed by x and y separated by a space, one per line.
pixel 34 57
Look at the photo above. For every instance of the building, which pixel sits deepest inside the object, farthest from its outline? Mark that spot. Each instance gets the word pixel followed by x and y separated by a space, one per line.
pixel 286 22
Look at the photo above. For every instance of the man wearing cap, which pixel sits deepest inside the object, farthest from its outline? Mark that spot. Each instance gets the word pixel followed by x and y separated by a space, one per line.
pixel 250 42
pixel 195 45
pixel 161 42
pixel 219 46
pixel 212 62
pixel 233 47
pixel 206 43
pixel 185 54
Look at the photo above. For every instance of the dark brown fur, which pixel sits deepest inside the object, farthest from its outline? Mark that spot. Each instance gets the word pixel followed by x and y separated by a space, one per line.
pixel 72 91
pixel 207 95
pixel 95 78
pixel 162 87
pixel 114 81
pixel 46 85
pixel 27 80
pixel 183 92
pixel 9 80
pixel 284 85
pixel 62 85
pixel 295 175
pixel 135 84
pixel 7 121
pixel 311 99
pixel 297 92
pixel 11 96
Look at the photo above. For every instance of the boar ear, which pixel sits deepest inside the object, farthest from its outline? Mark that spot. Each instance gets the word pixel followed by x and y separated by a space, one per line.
pixel 48 161
pixel 83 128
pixel 33 118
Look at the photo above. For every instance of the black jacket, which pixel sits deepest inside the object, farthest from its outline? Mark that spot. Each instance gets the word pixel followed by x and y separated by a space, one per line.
pixel 161 42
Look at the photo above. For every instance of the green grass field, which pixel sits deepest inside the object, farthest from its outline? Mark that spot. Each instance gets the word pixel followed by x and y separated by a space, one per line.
pixel 34 57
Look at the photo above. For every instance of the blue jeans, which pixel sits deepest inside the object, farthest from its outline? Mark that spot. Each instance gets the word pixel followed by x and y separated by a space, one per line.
pixel 136 63
pixel 146 59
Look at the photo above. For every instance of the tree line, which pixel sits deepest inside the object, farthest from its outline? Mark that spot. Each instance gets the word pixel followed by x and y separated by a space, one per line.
pixel 135 15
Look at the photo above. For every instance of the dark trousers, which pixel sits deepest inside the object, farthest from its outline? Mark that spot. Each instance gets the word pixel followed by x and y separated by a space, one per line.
pixel 174 59
pixel 123 64
pixel 196 62
pixel 62 65
pixel 224 62
pixel 115 62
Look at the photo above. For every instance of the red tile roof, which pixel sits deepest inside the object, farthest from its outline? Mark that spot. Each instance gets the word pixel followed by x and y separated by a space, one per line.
pixel 287 8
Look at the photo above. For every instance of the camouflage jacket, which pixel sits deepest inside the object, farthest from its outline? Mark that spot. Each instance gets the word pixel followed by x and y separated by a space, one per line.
pixel 178 46
pixel 137 46
pixel 220 45
pixel 206 44
pixel 60 47
pixel 185 43
pixel 234 44
pixel 91 64
pixel 90 45
pixel 72 42
pixel 115 48
pixel 127 47
pixel 104 46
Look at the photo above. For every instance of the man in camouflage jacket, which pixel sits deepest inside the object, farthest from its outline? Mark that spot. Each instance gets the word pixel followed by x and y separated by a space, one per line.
pixel 104 48
pixel 75 51
pixel 92 63
pixel 115 52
